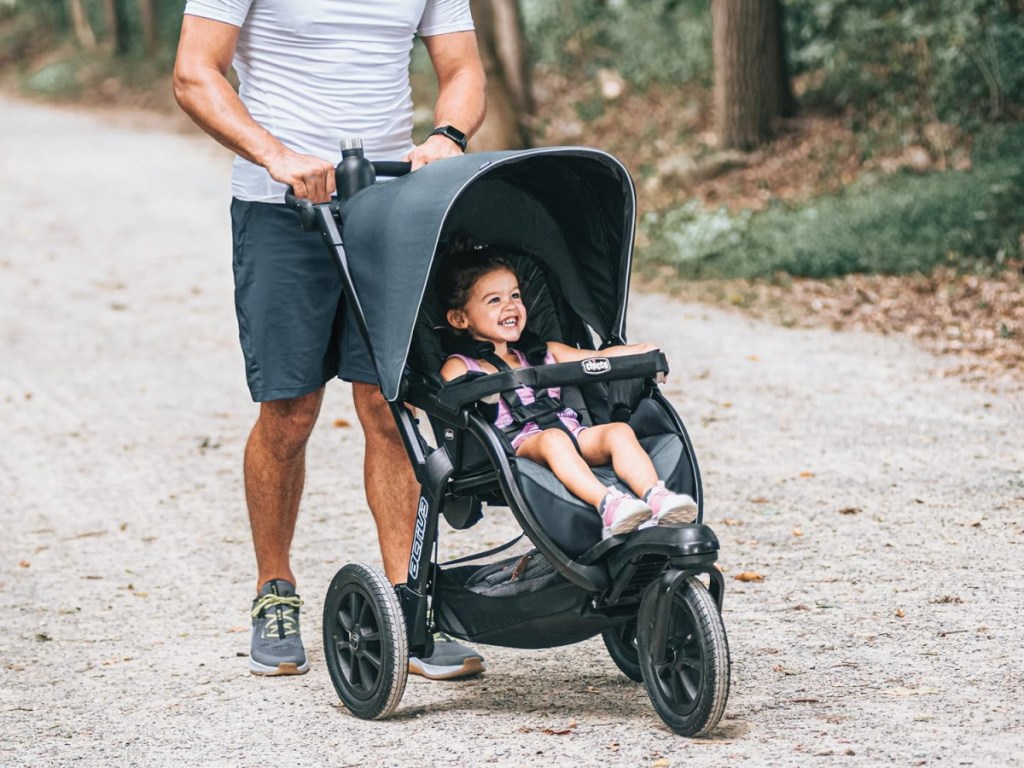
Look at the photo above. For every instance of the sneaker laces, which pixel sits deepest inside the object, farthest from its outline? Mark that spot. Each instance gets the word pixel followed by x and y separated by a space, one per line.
pixel 287 613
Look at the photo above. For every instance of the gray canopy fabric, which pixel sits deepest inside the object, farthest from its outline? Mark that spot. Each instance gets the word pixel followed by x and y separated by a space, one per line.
pixel 572 208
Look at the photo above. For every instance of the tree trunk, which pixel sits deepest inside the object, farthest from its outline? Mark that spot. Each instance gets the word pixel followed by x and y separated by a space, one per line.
pixel 750 86
pixel 499 32
pixel 83 32
pixel 110 24
pixel 147 21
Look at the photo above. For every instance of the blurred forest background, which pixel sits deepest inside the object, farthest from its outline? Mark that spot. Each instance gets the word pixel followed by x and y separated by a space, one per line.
pixel 857 163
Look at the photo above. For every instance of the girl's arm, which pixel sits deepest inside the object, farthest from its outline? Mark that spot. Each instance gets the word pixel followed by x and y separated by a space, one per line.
pixel 453 368
pixel 566 354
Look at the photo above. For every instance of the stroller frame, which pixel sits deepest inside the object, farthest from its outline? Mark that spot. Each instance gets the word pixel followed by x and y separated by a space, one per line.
pixel 639 591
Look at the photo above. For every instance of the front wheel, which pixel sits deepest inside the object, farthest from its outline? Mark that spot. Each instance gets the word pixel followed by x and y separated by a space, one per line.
pixel 684 656
pixel 365 642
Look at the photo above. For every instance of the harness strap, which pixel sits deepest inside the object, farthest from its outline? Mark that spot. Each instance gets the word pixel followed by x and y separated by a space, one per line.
pixel 543 410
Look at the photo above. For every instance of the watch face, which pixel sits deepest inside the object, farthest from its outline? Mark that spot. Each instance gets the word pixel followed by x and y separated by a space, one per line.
pixel 452 133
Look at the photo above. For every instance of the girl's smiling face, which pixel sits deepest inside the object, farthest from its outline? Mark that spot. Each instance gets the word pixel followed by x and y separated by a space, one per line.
pixel 494 310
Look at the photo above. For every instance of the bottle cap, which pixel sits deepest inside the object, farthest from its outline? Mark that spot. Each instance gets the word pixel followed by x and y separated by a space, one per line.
pixel 349 143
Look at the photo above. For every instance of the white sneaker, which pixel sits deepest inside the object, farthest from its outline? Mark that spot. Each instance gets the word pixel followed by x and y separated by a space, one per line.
pixel 622 513
pixel 670 508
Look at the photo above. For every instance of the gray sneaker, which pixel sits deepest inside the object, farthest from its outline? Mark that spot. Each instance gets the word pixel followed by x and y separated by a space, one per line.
pixel 448 660
pixel 276 647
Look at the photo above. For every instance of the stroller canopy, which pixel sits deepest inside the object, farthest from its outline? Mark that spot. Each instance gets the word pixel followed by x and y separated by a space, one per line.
pixel 572 208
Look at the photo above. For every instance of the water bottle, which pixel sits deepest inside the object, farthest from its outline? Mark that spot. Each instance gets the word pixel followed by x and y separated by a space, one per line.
pixel 354 172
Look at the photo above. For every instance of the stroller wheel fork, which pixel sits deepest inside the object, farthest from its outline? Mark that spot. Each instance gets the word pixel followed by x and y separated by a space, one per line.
pixel 683 653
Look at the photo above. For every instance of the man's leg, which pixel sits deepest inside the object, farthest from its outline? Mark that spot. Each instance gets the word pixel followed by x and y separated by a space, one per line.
pixel 391 487
pixel 275 469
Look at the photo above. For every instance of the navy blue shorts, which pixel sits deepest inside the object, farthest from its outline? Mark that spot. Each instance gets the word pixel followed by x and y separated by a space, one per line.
pixel 295 329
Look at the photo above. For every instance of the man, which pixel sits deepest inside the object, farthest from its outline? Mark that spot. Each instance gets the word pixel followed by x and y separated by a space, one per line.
pixel 310 73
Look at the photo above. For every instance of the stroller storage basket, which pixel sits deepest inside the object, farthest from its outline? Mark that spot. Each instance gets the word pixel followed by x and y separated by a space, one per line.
pixel 520 601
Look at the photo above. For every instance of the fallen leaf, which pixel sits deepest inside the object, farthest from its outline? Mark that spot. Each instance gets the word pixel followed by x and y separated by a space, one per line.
pixel 569 728
pixel 899 613
pixel 340 423
pixel 730 521
pixel 748 576
pixel 759 500
pixel 849 511
pixel 24 563
pixel 806 474
pixel 663 763
pixel 797 532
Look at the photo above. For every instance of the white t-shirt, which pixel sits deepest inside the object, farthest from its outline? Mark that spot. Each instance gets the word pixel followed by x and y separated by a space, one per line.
pixel 314 71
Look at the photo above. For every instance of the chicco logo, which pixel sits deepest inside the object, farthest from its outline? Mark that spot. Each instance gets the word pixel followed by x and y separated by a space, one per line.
pixel 596 365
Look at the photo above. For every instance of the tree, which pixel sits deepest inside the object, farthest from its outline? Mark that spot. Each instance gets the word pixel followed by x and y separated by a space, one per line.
pixel 751 79
pixel 499 31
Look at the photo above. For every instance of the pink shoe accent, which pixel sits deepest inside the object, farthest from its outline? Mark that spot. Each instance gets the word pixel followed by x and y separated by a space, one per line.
pixel 670 508
pixel 622 513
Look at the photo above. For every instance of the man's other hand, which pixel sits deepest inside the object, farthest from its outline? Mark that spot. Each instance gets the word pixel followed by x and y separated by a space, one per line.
pixel 434 148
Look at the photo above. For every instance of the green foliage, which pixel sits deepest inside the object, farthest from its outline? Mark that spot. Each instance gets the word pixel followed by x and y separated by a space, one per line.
pixel 647 41
pixel 905 62
pixel 898 224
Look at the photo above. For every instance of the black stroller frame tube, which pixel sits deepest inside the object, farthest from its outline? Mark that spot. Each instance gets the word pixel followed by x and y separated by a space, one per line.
pixel 414 594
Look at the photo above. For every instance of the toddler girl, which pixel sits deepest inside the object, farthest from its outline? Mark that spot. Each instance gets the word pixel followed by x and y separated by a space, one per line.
pixel 484 302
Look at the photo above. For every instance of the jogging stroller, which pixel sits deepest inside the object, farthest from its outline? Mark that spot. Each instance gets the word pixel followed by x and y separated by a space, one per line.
pixel 654 594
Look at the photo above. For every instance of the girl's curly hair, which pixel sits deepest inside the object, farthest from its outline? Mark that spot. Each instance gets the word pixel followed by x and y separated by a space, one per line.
pixel 464 263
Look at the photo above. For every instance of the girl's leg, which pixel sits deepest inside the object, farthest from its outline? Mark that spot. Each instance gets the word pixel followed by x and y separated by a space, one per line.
pixel 616 444
pixel 553 449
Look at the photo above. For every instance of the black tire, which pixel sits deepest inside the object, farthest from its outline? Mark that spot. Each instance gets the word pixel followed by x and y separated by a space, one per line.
pixel 689 685
pixel 621 644
pixel 365 642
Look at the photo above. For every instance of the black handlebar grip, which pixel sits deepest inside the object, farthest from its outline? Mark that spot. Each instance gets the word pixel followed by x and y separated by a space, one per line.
pixel 307 216
pixel 391 168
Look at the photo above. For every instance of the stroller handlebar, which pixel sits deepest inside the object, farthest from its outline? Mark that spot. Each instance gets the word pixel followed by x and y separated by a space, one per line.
pixel 304 207
pixel 458 393
pixel 391 167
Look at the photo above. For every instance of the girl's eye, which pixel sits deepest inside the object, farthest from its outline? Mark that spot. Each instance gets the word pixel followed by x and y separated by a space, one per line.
pixel 516 295
pixel 493 300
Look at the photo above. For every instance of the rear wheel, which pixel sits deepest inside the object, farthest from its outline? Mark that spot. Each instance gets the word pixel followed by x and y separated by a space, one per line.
pixel 621 644
pixel 687 675
pixel 365 642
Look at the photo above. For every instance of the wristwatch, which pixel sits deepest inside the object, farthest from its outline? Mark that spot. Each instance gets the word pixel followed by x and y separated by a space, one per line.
pixel 452 133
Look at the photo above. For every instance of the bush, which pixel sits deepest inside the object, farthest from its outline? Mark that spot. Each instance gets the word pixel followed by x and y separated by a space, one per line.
pixel 646 41
pixel 903 62
pixel 897 224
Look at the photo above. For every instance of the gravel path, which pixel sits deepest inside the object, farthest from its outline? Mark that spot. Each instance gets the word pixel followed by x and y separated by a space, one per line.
pixel 880 502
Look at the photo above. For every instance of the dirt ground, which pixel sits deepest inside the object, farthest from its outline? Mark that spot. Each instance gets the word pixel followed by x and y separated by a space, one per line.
pixel 879 500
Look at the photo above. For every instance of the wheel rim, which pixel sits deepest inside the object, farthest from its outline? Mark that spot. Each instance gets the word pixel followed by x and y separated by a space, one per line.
pixel 680 676
pixel 358 644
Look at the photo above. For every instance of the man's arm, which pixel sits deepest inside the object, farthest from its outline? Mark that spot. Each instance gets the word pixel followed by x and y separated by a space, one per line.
pixel 202 89
pixel 461 100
